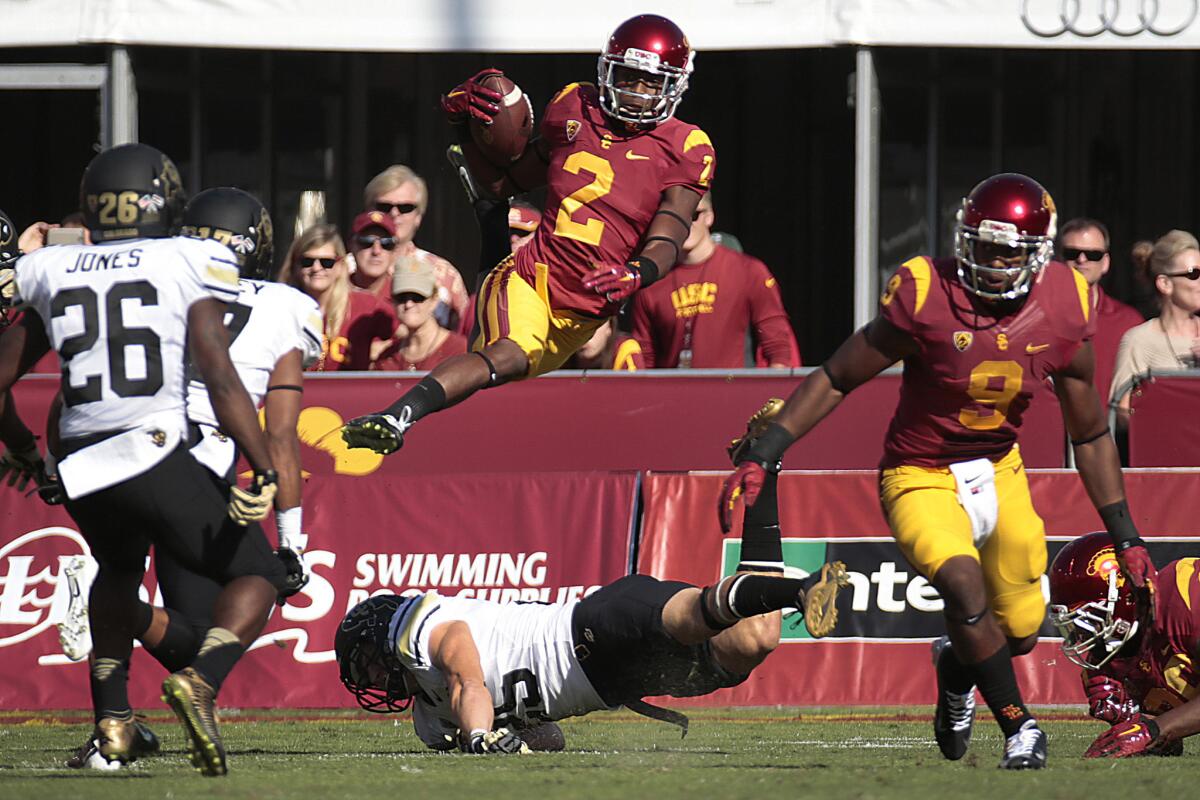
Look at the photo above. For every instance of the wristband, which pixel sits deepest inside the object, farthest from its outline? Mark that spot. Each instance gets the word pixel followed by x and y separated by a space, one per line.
pixel 645 268
pixel 289 524
pixel 1120 526
pixel 768 448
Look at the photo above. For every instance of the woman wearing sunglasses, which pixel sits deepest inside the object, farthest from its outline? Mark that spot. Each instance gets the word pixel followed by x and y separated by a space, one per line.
pixel 1169 342
pixel 354 320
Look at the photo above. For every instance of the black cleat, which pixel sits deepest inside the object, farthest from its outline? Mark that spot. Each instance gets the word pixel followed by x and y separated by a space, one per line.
pixel 1025 749
pixel 955 714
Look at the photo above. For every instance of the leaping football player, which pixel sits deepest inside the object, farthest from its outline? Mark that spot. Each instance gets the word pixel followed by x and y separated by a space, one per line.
pixel 623 179
pixel 976 333
pixel 1137 652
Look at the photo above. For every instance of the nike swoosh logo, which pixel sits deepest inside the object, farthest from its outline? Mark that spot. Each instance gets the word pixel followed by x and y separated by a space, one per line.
pixel 1131 731
pixel 632 156
pixel 1036 348
pixel 968 481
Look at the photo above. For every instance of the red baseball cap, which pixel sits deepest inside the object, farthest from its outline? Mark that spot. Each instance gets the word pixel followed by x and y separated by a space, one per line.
pixel 373 219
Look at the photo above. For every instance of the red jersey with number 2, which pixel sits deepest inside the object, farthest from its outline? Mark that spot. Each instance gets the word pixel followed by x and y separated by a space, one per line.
pixel 604 185
pixel 965 390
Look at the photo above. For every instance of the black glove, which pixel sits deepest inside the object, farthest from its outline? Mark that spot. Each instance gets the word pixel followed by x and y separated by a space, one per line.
pixel 297 575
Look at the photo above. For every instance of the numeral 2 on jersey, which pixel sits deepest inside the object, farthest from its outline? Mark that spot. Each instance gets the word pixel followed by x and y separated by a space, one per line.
pixel 995 384
pixel 118 339
pixel 587 232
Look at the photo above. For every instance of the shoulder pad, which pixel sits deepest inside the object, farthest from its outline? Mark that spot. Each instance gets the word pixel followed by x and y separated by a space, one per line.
pixel 696 138
pixel 919 271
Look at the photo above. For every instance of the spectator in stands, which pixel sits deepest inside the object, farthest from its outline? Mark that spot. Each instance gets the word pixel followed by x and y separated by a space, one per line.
pixel 423 344
pixel 402 194
pixel 373 243
pixel 608 349
pixel 700 314
pixel 1169 342
pixel 354 320
pixel 1084 244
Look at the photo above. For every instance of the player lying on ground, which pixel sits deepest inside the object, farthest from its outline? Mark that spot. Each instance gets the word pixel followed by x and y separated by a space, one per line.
pixel 977 334
pixel 479 671
pixel 475 670
pixel 1136 652
pixel 623 178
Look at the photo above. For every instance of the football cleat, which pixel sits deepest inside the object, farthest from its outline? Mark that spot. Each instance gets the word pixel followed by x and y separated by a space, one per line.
pixel 74 632
pixel 194 703
pixel 955 715
pixel 1025 749
pixel 381 433
pixel 88 756
pixel 754 428
pixel 818 598
pixel 454 155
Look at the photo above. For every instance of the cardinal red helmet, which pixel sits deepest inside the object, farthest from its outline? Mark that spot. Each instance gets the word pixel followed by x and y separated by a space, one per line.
pixel 1090 602
pixel 656 48
pixel 1004 236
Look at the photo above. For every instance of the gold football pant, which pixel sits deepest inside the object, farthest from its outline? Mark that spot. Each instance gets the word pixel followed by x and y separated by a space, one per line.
pixel 921 505
pixel 509 308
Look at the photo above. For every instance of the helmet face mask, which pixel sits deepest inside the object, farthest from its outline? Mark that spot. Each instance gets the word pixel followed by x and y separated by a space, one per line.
pixel 1004 236
pixel 643 71
pixel 1090 604
pixel 378 682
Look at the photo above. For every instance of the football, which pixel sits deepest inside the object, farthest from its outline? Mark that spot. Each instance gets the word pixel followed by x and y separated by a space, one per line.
pixel 504 140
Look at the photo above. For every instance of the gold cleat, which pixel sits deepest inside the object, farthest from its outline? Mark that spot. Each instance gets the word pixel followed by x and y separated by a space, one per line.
pixel 755 427
pixel 194 703
pixel 116 739
pixel 820 599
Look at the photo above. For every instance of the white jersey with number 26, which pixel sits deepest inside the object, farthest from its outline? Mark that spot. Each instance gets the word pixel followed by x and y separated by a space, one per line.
pixel 116 313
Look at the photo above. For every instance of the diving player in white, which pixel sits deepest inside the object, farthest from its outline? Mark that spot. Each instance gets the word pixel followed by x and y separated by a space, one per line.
pixel 122 314
pixel 473 670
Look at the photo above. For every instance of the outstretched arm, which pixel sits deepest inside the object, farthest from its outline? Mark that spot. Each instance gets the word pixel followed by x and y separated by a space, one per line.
pixel 1098 463
pixel 452 650
pixel 861 357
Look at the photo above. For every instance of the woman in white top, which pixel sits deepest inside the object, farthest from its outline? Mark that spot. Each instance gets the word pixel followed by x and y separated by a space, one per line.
pixel 1169 342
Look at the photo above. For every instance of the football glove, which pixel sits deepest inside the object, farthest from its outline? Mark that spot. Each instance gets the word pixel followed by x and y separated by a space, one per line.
pixel 499 741
pixel 252 503
pixel 471 99
pixel 297 573
pixel 1135 736
pixel 380 432
pixel 1107 699
pixel 1137 566
pixel 22 465
pixel 615 283
pixel 745 482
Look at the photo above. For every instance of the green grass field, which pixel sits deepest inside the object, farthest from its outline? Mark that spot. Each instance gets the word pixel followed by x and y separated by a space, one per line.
pixel 744 753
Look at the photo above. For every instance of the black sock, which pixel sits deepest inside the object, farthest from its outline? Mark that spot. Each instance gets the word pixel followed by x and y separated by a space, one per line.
pixel 426 397
pixel 736 597
pixel 179 643
pixel 110 691
pixel 218 654
pixel 762 548
pixel 955 676
pixel 998 684
pixel 145 616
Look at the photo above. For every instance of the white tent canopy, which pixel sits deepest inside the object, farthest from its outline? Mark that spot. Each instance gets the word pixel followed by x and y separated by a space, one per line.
pixel 554 26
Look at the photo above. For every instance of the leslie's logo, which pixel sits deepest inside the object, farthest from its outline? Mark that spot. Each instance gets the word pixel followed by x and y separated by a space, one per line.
pixel 33 591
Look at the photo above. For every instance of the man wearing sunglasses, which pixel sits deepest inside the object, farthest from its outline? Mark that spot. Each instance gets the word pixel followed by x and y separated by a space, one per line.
pixel 373 243
pixel 402 195
pixel 1083 243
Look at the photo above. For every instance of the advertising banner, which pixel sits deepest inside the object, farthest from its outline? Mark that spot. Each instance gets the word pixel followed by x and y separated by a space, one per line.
pixel 543 537
pixel 880 650
pixel 665 421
